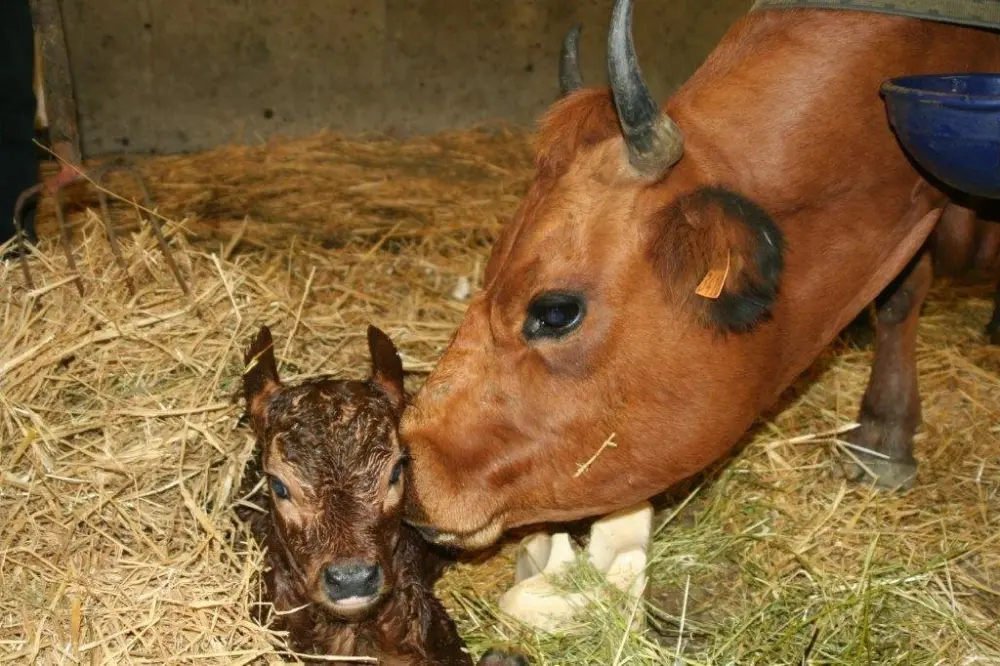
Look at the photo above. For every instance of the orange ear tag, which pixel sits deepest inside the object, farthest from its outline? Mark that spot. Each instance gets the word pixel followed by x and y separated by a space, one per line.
pixel 711 285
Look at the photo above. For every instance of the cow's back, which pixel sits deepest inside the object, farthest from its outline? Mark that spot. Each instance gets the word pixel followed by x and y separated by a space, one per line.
pixel 799 91
pixel 787 110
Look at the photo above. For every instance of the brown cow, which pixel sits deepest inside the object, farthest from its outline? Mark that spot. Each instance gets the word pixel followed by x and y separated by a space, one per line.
pixel 773 172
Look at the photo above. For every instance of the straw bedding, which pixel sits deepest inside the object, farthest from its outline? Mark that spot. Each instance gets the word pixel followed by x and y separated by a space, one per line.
pixel 121 446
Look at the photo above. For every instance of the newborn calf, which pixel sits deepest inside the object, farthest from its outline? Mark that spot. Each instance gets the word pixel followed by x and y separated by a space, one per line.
pixel 346 576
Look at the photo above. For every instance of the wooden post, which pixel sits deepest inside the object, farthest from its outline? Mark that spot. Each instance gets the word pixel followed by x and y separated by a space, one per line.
pixel 60 103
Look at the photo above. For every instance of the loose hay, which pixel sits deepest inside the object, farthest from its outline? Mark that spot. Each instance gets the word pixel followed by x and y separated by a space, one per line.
pixel 121 449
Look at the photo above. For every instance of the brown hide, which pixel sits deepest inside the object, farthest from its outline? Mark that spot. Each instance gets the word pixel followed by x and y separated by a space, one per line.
pixel 785 114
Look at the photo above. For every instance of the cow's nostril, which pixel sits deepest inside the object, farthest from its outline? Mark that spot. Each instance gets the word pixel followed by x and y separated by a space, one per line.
pixel 358 580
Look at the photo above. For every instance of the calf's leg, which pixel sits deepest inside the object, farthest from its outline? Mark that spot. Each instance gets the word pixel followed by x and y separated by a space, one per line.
pixel 993 328
pixel 890 409
pixel 860 332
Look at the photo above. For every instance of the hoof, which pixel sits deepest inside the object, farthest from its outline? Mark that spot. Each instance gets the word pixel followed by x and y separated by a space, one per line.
pixel 887 474
pixel 993 334
pixel 495 657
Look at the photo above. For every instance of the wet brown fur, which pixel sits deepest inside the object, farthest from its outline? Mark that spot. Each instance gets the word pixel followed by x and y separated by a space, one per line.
pixel 784 115
pixel 333 443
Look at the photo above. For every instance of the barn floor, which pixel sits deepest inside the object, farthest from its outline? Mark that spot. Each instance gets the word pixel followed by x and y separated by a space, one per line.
pixel 120 448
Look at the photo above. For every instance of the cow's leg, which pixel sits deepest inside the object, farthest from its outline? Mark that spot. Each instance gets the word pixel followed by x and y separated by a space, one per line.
pixel 993 328
pixel 890 409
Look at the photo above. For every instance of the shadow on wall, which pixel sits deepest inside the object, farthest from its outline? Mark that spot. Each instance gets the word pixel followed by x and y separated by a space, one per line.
pixel 180 75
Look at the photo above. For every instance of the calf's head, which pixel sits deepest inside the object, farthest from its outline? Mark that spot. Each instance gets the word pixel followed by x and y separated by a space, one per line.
pixel 617 307
pixel 335 472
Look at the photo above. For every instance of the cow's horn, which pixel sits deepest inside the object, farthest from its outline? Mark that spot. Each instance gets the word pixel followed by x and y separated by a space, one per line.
pixel 655 143
pixel 569 62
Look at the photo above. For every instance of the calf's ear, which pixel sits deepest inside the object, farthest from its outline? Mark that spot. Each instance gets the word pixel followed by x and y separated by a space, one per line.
pixel 387 367
pixel 721 254
pixel 260 377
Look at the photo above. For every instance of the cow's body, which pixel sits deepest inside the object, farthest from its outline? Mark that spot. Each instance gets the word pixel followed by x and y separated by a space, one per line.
pixel 790 169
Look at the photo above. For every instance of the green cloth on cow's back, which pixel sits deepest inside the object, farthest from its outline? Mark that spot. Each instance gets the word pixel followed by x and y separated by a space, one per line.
pixel 977 13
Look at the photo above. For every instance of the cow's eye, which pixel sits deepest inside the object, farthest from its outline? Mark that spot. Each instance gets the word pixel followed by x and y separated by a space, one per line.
pixel 553 315
pixel 279 489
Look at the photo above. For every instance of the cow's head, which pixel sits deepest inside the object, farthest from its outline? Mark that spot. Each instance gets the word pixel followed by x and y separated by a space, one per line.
pixel 595 365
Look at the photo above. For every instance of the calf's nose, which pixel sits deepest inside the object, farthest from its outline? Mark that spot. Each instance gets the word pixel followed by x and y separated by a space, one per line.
pixel 344 581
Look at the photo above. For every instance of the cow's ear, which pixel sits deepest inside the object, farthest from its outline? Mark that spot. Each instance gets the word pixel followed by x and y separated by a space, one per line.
pixel 260 377
pixel 720 253
pixel 387 367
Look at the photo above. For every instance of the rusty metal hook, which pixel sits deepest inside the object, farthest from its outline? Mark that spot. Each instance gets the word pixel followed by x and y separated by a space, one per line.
pixel 22 247
pixel 65 139
pixel 101 174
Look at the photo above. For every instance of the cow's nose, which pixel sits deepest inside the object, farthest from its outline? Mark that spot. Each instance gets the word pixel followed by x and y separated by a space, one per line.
pixel 354 580
pixel 434 536
pixel 428 533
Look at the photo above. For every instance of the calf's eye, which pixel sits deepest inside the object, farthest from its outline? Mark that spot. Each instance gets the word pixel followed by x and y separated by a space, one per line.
pixel 279 489
pixel 553 314
pixel 397 471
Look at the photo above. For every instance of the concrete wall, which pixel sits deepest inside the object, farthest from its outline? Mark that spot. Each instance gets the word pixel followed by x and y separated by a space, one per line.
pixel 179 75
